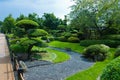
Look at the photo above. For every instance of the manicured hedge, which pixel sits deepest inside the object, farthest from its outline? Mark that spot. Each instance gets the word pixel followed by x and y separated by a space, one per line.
pixel 112 37
pixel 96 52
pixel 73 39
pixel 110 43
pixel 112 70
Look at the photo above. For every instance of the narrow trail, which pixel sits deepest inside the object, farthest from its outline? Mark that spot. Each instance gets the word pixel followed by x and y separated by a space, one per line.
pixel 6 70
pixel 58 71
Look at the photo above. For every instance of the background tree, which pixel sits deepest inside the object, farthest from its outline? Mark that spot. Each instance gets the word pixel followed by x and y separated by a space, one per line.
pixel 95 14
pixel 8 25
pixel 50 21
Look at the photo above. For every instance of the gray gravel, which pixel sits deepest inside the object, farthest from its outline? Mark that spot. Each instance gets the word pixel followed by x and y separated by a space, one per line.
pixel 57 71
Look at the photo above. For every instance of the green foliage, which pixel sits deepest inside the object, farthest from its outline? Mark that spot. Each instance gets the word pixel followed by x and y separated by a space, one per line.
pixel 97 15
pixel 62 38
pixel 73 39
pixel 94 71
pixel 50 21
pixel 110 43
pixel 27 24
pixel 112 37
pixel 17 48
pixel 44 37
pixel 96 52
pixel 112 70
pixel 66 34
pixel 37 32
pixel 14 41
pixel 8 25
pixel 117 52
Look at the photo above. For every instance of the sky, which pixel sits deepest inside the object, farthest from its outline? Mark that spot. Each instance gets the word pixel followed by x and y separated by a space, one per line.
pixel 17 7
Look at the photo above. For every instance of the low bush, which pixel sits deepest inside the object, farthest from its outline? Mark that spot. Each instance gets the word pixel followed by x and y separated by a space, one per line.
pixel 66 34
pixel 73 39
pixel 96 52
pixel 117 52
pixel 112 70
pixel 62 38
pixel 74 35
pixel 110 43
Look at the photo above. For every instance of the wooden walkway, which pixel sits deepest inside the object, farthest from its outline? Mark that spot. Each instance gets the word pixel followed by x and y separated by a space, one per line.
pixel 6 70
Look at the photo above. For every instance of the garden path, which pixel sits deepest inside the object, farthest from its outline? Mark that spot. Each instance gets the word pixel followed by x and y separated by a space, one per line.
pixel 58 71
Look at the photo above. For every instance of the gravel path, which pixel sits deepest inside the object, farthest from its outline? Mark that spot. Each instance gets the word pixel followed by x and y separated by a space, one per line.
pixel 58 71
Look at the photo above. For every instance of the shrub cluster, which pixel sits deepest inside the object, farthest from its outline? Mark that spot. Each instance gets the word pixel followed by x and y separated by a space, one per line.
pixel 96 52
pixel 112 70
pixel 110 43
pixel 73 39
pixel 117 52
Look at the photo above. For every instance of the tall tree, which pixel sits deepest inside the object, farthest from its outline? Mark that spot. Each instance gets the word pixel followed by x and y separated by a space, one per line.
pixel 8 24
pixel 95 13
pixel 50 20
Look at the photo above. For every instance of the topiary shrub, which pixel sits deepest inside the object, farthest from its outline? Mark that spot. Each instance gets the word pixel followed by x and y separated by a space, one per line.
pixel 96 52
pixel 73 39
pixel 112 70
pixel 117 52
pixel 37 32
pixel 67 34
pixel 74 35
pixel 62 38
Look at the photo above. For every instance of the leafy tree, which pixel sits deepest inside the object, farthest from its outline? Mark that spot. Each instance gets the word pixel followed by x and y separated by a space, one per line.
pixel 96 14
pixel 50 21
pixel 8 25
pixel 21 17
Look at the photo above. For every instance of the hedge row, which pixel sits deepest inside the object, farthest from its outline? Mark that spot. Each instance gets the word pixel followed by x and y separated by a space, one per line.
pixel 112 37
pixel 110 43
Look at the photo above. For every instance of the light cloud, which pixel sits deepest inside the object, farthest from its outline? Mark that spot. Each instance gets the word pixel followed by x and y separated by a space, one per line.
pixel 17 7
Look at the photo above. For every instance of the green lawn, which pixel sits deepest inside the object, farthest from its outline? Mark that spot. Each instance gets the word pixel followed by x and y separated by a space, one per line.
pixel 74 46
pixel 52 55
pixel 91 73
pixel 60 56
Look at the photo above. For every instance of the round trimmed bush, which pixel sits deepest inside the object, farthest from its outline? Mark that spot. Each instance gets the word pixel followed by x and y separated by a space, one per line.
pixel 62 38
pixel 117 52
pixel 73 39
pixel 96 52
pixel 37 32
pixel 112 70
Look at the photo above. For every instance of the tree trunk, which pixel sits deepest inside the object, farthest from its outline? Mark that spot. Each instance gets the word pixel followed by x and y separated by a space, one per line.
pixel 29 51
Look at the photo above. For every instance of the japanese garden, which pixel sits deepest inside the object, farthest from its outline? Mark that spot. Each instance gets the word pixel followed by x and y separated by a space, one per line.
pixel 85 45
